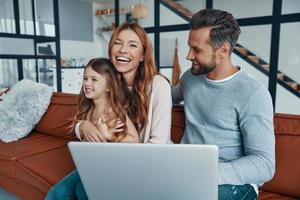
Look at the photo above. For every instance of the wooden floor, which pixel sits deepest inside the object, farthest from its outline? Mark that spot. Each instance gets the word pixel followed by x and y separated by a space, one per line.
pixel 7 196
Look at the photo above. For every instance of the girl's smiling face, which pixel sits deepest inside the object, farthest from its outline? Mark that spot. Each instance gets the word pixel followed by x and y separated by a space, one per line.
pixel 94 84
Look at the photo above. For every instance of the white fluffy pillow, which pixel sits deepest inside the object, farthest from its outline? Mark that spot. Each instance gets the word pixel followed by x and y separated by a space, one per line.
pixel 22 108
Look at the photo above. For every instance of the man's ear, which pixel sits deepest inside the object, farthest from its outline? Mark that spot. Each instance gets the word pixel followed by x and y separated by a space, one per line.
pixel 224 50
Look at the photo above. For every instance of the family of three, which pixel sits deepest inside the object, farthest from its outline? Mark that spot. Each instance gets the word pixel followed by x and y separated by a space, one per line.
pixel 123 99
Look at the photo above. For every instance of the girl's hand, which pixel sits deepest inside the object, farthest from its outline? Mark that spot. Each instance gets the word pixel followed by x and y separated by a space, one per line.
pixel 90 132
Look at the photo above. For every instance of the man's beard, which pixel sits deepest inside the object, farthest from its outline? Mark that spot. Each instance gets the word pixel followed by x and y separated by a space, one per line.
pixel 205 68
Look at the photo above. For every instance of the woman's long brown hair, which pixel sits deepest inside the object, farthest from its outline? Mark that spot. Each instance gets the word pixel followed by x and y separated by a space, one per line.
pixel 115 96
pixel 137 99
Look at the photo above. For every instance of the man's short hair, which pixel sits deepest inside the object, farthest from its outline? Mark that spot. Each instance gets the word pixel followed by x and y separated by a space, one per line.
pixel 224 27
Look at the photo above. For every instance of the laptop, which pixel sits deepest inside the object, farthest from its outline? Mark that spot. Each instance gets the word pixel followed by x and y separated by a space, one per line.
pixel 120 171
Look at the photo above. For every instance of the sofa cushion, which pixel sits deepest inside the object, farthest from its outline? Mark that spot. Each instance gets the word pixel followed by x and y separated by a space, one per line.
pixel 286 180
pixel 59 118
pixel 178 123
pixel 44 169
pixel 263 195
pixel 35 143
pixel 22 108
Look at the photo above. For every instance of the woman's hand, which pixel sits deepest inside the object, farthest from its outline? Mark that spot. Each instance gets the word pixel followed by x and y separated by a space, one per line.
pixel 108 133
pixel 90 132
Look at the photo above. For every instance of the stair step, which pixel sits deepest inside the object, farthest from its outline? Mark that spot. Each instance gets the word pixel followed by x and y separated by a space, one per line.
pixel 242 50
pixel 266 67
pixel 292 84
pixel 255 59
pixel 280 76
pixel 181 9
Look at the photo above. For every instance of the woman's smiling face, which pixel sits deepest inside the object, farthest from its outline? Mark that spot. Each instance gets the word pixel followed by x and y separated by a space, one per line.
pixel 127 52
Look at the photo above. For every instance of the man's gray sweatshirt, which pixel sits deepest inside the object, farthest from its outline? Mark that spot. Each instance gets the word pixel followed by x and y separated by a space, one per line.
pixel 236 114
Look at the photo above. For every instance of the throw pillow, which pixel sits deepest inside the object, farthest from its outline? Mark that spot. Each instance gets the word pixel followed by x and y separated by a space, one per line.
pixel 3 92
pixel 22 108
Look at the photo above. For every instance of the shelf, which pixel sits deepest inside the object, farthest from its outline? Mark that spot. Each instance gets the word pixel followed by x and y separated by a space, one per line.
pixel 111 11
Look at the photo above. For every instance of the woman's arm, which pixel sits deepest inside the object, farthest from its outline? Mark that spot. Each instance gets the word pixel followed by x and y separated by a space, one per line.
pixel 132 135
pixel 85 130
pixel 159 114
pixel 116 134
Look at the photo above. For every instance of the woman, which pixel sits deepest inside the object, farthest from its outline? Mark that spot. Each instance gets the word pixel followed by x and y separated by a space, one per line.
pixel 147 95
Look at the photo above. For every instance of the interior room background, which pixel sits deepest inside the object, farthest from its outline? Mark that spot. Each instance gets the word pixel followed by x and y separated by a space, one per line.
pixel 50 41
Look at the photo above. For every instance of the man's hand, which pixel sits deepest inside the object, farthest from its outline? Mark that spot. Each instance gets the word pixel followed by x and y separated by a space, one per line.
pixel 90 132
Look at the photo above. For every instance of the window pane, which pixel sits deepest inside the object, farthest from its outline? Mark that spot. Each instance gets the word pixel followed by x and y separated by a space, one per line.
pixel 255 73
pixel 289 65
pixel 290 6
pixel 168 17
pixel 16 46
pixel 167 49
pixel 289 50
pixel 29 69
pixel 26 19
pixel 257 39
pixel 144 9
pixel 105 19
pixel 148 21
pixel 7 19
pixel 44 14
pixel 46 48
pixel 286 102
pixel 8 72
pixel 47 72
pixel 193 5
pixel 245 8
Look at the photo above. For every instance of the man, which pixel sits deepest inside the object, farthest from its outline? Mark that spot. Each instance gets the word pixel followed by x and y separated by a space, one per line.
pixel 226 107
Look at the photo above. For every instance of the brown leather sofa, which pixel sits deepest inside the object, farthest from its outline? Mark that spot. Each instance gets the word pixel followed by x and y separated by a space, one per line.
pixel 30 166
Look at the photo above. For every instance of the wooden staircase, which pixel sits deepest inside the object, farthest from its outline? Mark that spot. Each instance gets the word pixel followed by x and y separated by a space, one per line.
pixel 264 67
pixel 284 80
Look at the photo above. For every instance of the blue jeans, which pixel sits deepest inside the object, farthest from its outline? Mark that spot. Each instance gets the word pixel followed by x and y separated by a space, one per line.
pixel 69 188
pixel 236 192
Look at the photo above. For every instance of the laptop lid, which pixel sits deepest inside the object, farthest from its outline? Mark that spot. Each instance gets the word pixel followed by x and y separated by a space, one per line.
pixel 119 171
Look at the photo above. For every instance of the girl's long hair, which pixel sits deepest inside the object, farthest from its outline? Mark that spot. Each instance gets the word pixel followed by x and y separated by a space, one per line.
pixel 137 99
pixel 115 96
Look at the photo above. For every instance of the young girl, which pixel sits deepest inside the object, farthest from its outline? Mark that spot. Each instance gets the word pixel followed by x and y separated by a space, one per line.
pixel 102 104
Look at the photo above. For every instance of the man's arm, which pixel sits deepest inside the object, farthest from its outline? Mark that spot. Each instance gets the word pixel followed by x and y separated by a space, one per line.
pixel 177 95
pixel 256 125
